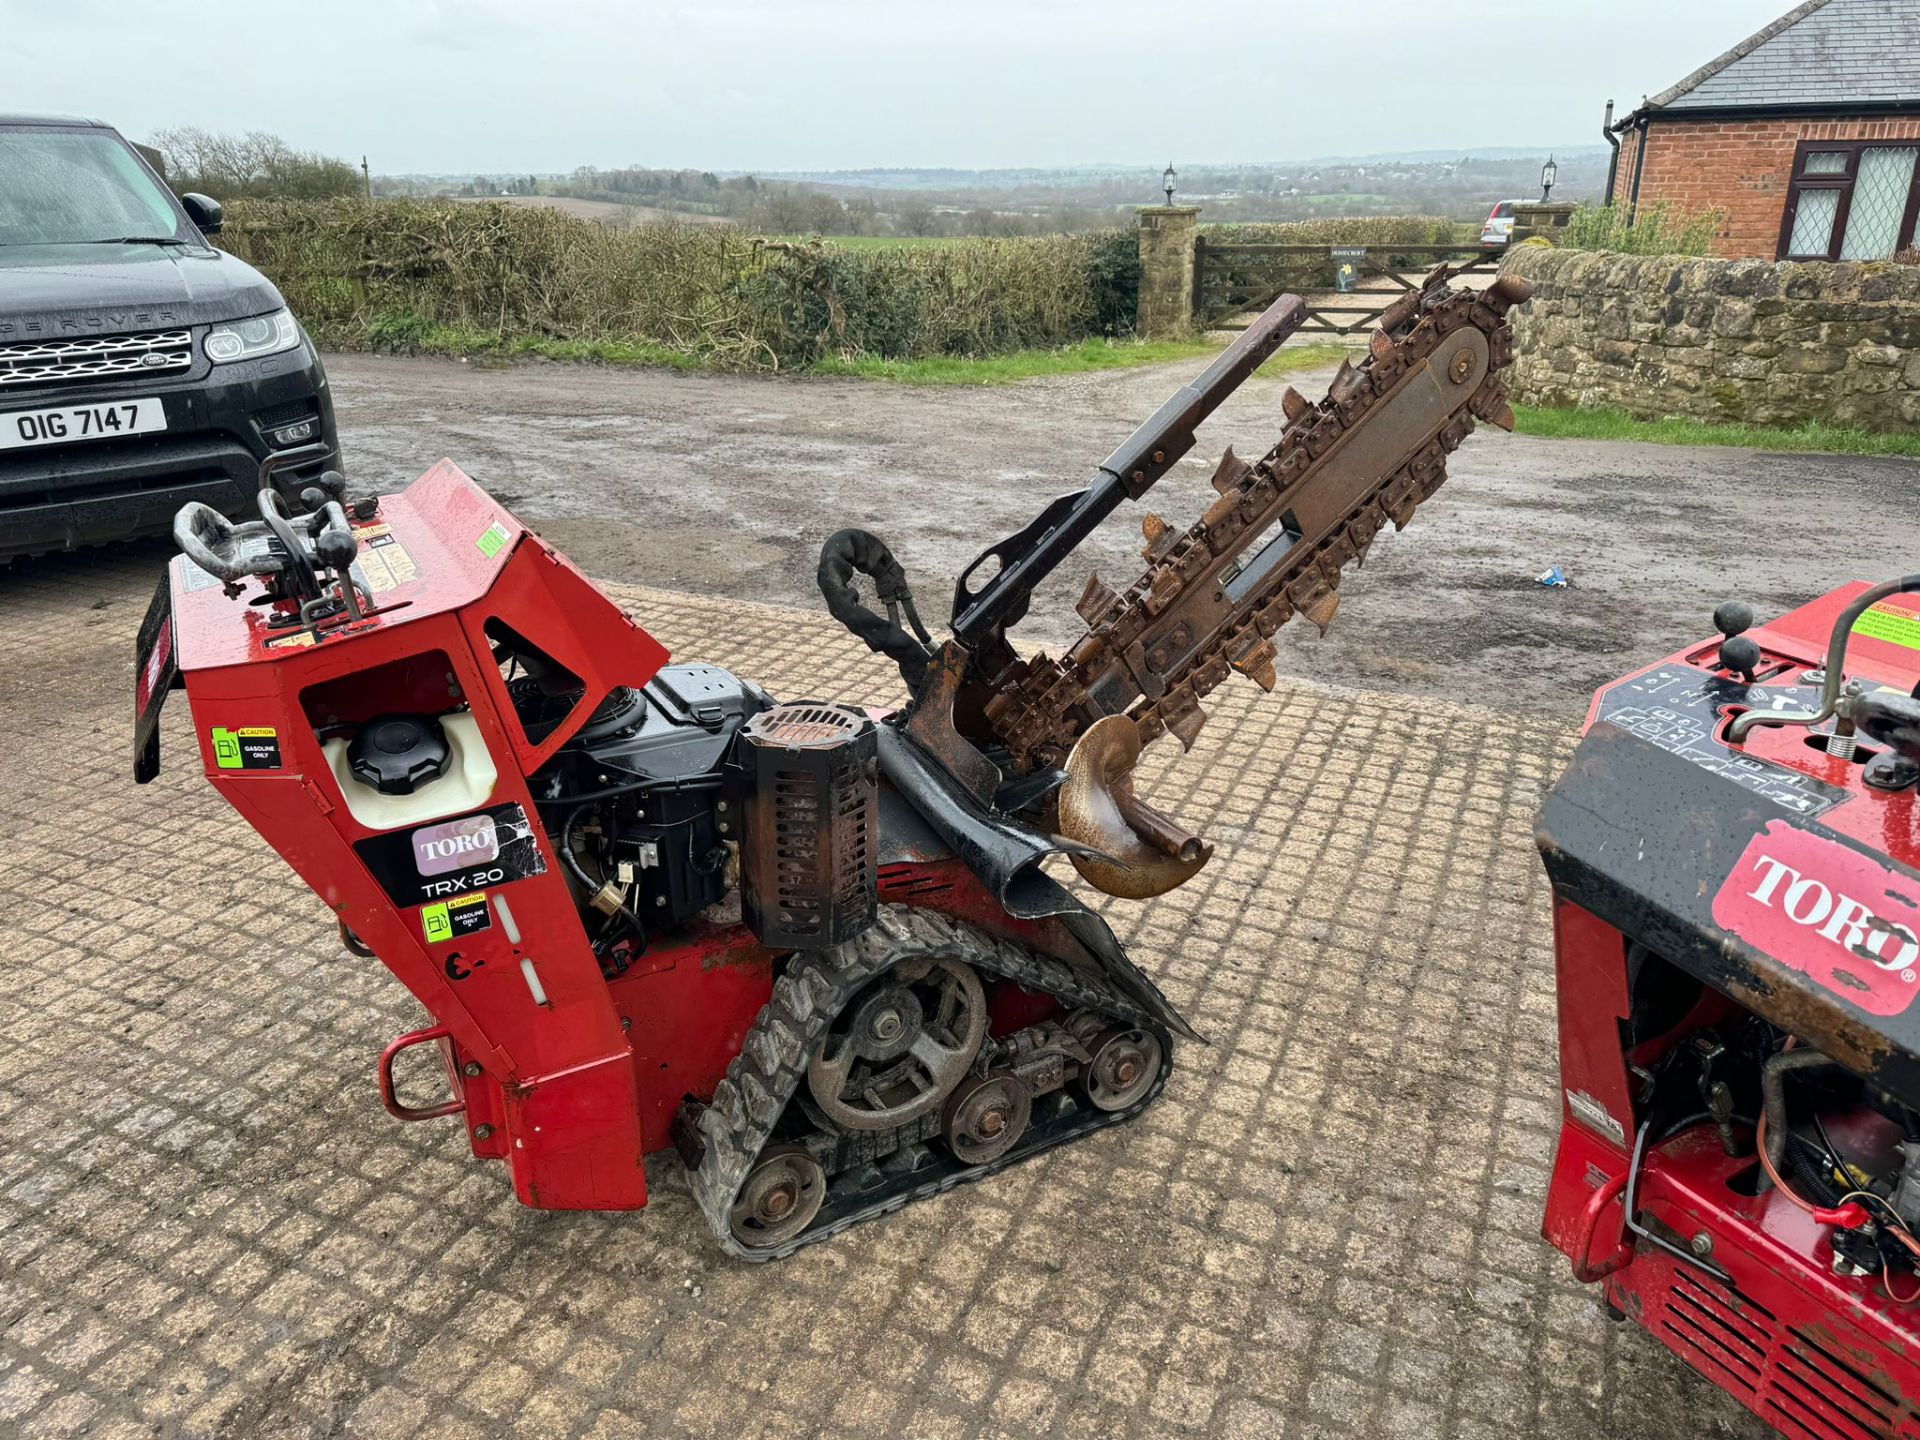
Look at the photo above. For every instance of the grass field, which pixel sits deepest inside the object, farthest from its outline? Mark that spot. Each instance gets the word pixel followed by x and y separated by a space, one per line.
pixel 1573 424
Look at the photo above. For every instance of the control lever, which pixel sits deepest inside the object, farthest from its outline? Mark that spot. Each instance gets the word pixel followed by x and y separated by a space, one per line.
pixel 1739 654
pixel 1836 697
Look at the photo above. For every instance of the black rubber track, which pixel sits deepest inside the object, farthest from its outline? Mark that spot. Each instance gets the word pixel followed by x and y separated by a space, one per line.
pixel 772 1064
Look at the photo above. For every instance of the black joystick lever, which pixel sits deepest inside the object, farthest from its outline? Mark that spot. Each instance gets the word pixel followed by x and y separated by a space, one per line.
pixel 1739 655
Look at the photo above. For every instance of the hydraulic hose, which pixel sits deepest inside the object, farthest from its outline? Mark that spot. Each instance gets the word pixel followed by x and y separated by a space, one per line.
pixel 1772 1136
pixel 1773 1093
pixel 848 551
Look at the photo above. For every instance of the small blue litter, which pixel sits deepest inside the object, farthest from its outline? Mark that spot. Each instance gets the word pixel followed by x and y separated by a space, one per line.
pixel 1552 578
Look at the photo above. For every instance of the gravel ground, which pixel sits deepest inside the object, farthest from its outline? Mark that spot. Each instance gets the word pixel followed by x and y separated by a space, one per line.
pixel 1326 1227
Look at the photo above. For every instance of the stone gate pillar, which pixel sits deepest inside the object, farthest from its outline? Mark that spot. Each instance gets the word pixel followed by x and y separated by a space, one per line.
pixel 1166 271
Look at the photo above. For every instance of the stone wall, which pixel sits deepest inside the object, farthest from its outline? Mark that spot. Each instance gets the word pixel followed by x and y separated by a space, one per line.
pixel 1745 340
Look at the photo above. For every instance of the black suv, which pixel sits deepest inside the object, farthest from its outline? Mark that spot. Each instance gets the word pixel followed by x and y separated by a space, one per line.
pixel 140 368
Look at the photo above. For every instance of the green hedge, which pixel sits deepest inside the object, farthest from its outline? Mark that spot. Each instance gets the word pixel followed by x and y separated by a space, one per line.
pixel 392 272
pixel 1383 231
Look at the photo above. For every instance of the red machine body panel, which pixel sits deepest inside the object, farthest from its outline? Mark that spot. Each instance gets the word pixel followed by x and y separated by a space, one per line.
pixel 569 1075
pixel 546 1063
pixel 1731 833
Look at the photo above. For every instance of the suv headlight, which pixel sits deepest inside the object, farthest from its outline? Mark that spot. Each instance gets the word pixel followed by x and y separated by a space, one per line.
pixel 250 339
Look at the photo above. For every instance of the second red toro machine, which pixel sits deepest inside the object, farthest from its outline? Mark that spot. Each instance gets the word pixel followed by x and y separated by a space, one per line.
pixel 807 944
pixel 1735 857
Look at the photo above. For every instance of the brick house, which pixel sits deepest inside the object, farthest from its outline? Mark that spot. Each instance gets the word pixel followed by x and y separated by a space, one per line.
pixel 1804 136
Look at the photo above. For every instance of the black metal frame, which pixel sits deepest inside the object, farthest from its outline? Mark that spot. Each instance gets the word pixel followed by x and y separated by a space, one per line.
pixel 1214 312
pixel 1800 182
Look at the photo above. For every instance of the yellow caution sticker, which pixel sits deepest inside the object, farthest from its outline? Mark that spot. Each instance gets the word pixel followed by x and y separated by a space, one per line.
pixel 1896 627
pixel 246 747
pixel 449 919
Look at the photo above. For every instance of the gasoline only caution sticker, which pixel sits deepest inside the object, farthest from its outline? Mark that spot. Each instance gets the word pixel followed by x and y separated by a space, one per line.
pixel 492 540
pixel 466 915
pixel 251 747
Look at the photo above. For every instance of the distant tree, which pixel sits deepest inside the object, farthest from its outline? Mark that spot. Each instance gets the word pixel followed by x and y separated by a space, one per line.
pixel 255 165
pixel 918 218
pixel 825 215
pixel 782 212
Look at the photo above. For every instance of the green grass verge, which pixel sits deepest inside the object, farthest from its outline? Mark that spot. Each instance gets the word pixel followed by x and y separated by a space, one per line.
pixel 1579 424
pixel 1069 360
pixel 410 333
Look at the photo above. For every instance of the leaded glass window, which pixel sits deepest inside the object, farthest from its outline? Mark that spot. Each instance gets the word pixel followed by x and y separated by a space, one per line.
pixel 1851 200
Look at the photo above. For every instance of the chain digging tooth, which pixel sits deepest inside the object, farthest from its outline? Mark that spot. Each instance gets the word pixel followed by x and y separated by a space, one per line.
pixel 1159 536
pixel 1380 346
pixel 1231 473
pixel 1294 404
pixel 1509 290
pixel 1321 611
pixel 1180 712
pixel 1406 308
pixel 1255 661
pixel 1095 600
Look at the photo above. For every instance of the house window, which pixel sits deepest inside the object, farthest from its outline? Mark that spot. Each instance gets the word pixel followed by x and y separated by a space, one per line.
pixel 1851 200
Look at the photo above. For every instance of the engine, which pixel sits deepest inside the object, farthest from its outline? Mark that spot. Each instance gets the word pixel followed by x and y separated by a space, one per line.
pixel 696 793
pixel 637 803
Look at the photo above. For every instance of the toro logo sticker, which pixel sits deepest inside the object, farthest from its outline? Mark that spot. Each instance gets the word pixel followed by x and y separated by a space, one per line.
pixel 459 856
pixel 1843 919
pixel 456 845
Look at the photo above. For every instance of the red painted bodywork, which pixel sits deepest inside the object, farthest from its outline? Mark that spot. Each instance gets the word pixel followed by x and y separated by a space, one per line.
pixel 575 1091
pixel 1812 1353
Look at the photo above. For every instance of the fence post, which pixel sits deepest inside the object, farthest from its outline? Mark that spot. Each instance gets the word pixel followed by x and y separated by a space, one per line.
pixel 1168 285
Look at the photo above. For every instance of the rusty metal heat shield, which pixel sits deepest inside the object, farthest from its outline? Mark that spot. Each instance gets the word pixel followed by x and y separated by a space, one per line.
pixel 812 821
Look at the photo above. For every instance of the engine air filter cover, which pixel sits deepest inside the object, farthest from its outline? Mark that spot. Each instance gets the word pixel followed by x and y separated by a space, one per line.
pixel 807 860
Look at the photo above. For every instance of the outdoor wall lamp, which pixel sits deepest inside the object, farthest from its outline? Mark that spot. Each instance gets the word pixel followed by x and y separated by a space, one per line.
pixel 1166 182
pixel 1548 172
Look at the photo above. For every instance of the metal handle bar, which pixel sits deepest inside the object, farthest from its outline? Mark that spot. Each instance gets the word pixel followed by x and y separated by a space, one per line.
pixel 1835 665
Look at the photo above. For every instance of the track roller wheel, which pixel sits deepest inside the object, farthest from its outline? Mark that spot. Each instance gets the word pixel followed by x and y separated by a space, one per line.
pixel 1123 1066
pixel 985 1116
pixel 782 1194
pixel 901 1046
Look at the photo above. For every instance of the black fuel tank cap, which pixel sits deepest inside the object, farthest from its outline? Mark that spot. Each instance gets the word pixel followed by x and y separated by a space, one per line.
pixel 397 754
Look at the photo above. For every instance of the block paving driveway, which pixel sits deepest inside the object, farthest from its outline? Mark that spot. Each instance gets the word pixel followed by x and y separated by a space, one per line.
pixel 1327 1226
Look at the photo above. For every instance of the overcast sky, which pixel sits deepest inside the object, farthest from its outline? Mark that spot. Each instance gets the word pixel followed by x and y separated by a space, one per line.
pixel 544 85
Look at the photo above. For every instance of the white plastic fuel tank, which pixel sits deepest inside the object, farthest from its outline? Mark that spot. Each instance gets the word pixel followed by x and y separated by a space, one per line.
pixel 467 784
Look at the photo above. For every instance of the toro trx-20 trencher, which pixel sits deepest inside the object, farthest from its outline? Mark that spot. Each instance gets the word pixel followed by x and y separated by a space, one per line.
pixel 1735 857
pixel 808 945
